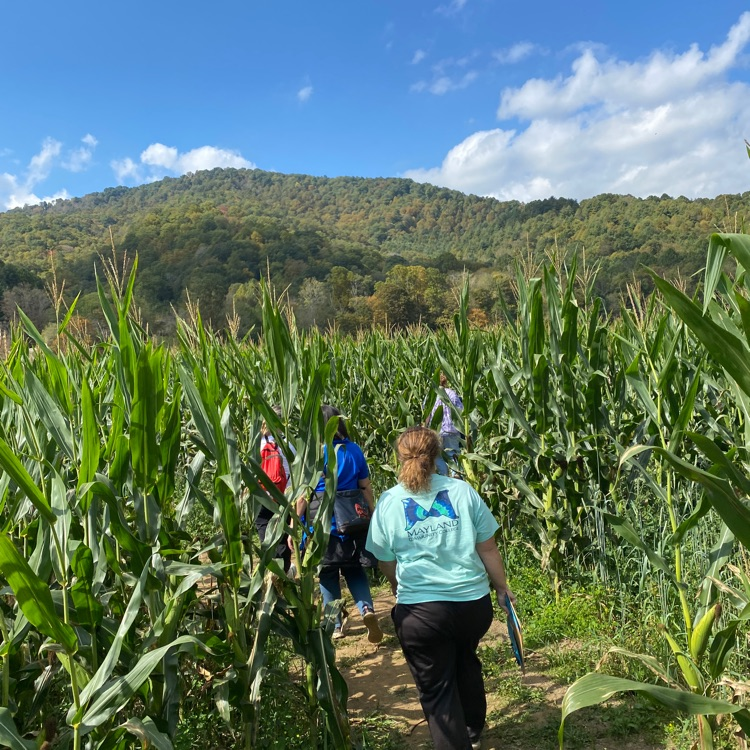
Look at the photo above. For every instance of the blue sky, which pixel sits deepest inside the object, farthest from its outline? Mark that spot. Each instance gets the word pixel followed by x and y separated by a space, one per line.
pixel 518 100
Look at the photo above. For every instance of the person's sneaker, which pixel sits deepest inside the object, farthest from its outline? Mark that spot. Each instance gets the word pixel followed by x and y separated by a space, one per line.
pixel 476 745
pixel 374 633
pixel 338 634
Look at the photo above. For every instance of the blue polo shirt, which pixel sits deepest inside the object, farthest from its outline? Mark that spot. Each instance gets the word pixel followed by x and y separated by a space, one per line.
pixel 433 536
pixel 351 466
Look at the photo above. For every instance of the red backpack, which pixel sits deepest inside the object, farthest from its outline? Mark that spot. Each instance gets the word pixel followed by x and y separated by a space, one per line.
pixel 272 463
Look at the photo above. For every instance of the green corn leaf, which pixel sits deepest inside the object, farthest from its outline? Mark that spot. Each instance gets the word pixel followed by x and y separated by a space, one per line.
pixel 69 314
pixel 114 695
pixel 721 461
pixel 724 347
pixel 331 689
pixel 50 415
pixel 8 393
pixel 170 446
pixel 147 732
pixel 33 332
pixel 203 421
pixel 16 470
pixel 61 508
pixel 514 407
pixel 744 307
pixel 718 557
pixel 258 655
pixel 88 608
pixel 113 654
pixel 636 380
pixel 143 426
pixel 717 253
pixel 192 489
pixel 9 736
pixel 107 309
pixel 91 446
pixel 649 662
pixel 34 597
pixel 723 643
pixel 734 513
pixel 593 689
pixel 629 534
pixel 70 664
pixel 120 528
pixel 127 298
pixel 737 245
pixel 704 506
pixel 628 456
pixel 686 412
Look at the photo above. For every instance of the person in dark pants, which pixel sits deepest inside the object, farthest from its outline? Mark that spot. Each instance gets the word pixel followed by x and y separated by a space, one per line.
pixel 345 554
pixel 434 538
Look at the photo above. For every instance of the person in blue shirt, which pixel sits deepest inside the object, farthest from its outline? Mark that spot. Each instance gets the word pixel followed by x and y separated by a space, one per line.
pixel 434 538
pixel 346 554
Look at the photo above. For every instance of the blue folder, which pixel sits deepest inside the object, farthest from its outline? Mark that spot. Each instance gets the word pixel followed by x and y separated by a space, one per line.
pixel 515 634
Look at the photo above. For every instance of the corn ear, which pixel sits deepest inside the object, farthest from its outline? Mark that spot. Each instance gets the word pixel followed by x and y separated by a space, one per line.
pixel 688 669
pixel 702 631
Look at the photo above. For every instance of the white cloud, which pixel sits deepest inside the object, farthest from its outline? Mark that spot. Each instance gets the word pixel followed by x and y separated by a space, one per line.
pixel 158 161
pixel 517 52
pixel 159 155
pixel 448 75
pixel 672 123
pixel 453 7
pixel 126 170
pixel 79 159
pixel 419 55
pixel 304 94
pixel 41 164
pixel 210 157
pixel 619 83
pixel 444 84
pixel 21 189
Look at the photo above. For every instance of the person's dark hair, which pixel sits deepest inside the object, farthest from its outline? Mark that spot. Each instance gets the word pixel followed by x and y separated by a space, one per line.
pixel 417 449
pixel 331 411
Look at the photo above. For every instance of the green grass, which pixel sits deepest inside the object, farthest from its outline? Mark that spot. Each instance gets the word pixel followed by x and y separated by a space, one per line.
pixel 377 731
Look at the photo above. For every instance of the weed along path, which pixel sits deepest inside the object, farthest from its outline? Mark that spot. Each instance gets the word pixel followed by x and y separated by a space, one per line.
pixel 523 711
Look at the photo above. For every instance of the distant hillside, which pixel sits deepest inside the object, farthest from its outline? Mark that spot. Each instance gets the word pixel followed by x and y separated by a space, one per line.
pixel 213 231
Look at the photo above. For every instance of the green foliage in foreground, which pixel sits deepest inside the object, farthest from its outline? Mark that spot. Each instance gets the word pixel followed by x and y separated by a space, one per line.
pixel 136 592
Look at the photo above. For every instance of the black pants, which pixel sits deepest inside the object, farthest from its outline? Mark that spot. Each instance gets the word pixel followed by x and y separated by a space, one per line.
pixel 439 641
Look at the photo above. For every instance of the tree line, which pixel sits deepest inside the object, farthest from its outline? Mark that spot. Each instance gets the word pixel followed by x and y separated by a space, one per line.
pixel 353 251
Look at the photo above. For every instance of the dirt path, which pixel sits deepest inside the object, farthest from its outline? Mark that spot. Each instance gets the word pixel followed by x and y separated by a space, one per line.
pixel 523 712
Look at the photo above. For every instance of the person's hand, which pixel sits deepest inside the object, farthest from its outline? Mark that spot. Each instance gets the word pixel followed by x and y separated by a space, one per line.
pixel 502 592
pixel 290 543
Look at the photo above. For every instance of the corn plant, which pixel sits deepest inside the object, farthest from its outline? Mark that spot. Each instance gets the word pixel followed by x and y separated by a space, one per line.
pixel 703 650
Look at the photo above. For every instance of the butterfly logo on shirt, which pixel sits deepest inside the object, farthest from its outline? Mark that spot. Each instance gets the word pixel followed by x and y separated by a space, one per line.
pixel 441 507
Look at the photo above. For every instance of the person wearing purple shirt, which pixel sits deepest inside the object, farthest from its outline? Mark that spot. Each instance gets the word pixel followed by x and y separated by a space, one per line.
pixel 450 435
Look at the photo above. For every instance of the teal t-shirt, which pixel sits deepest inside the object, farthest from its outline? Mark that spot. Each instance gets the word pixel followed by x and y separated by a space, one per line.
pixel 433 536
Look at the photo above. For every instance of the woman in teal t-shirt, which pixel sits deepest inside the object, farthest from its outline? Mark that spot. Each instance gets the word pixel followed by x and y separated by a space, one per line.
pixel 435 540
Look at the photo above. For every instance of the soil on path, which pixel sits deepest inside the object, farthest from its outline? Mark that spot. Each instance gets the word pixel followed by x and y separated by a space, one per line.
pixel 523 712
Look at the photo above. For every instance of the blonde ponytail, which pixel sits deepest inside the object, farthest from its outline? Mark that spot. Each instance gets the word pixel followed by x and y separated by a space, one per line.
pixel 417 449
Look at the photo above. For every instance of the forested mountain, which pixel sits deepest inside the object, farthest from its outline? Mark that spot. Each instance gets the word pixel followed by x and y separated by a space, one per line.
pixel 351 249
